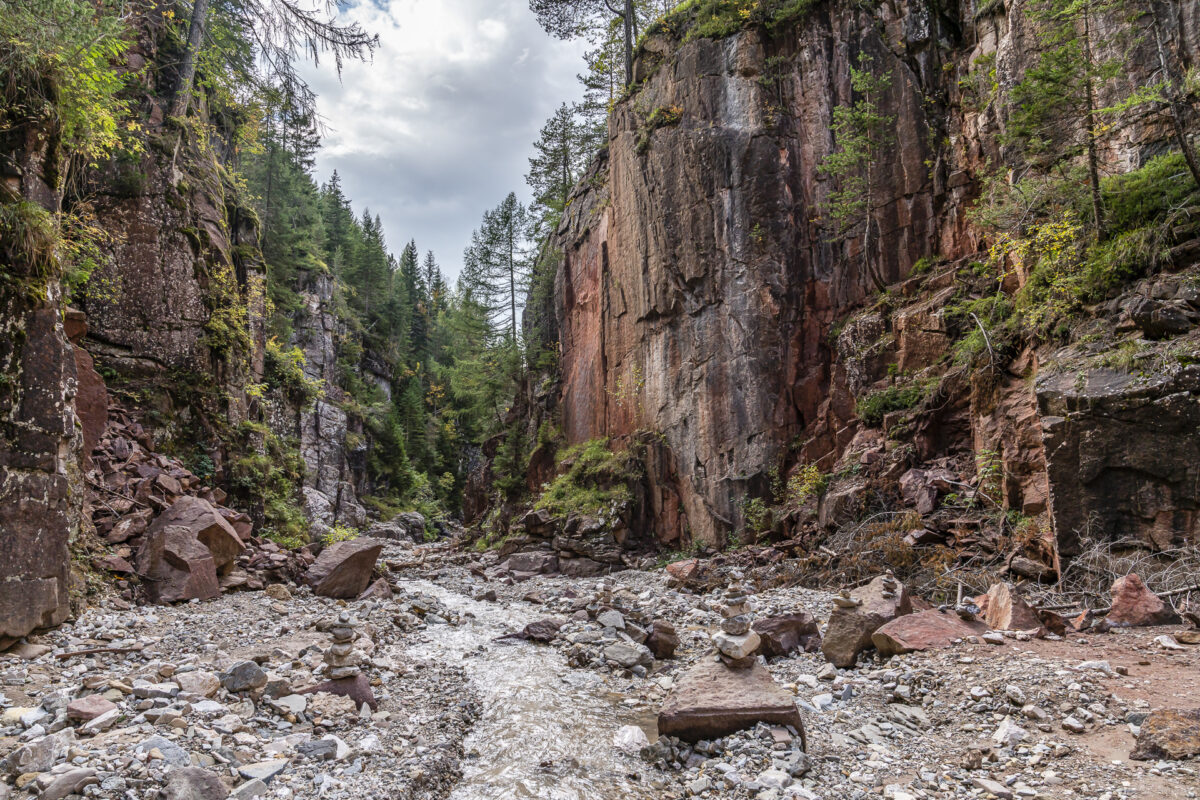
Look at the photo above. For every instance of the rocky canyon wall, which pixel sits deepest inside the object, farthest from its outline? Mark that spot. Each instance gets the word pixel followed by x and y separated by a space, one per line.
pixel 700 293
pixel 41 491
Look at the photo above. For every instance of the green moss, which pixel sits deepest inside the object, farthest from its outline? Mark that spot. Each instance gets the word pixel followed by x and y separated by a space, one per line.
pixel 661 117
pixel 872 408
pixel 285 372
pixel 593 480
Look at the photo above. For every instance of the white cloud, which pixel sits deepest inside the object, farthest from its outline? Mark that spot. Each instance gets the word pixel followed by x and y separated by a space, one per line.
pixel 438 127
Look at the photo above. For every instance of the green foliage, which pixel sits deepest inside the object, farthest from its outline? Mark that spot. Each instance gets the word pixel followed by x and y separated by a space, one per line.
pixel 285 371
pixel 716 19
pixel 807 483
pixel 60 58
pixel 339 533
pixel 593 480
pixel 267 477
pixel 661 117
pixel 872 408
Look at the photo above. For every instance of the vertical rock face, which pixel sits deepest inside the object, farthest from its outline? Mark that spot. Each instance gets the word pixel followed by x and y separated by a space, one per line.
pixel 40 491
pixel 1123 455
pixel 323 428
pixel 699 287
pixel 695 288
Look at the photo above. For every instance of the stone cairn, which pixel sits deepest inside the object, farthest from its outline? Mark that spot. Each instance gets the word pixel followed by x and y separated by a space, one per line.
pixel 736 643
pixel 341 657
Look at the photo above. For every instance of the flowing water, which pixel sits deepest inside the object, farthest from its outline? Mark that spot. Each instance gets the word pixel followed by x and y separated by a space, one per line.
pixel 546 730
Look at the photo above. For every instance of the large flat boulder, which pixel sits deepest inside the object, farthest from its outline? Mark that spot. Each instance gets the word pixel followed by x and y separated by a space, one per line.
pixel 344 568
pixel 176 566
pixel 712 700
pixel 850 629
pixel 926 630
pixel 206 525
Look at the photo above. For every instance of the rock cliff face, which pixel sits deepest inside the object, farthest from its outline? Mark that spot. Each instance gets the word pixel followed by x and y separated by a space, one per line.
pixel 698 290
pixel 41 493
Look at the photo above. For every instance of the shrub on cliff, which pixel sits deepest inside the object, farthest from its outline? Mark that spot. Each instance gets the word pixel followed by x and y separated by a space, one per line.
pixel 593 480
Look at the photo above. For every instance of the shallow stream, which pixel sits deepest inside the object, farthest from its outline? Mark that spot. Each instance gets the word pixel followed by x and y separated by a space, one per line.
pixel 547 730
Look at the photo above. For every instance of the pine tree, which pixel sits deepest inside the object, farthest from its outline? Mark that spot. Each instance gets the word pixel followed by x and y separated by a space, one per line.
pixel 560 154
pixel 862 134
pixel 497 264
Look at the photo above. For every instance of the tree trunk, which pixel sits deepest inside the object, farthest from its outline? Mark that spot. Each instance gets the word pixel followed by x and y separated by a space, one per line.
pixel 1185 147
pixel 628 20
pixel 1093 158
pixel 187 69
pixel 512 284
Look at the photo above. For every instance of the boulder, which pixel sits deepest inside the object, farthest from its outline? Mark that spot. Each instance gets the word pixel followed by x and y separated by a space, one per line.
pixel 193 783
pixel 344 568
pixel 1135 605
pixel 788 632
pixel 68 783
pixel 690 573
pixel 197 682
pixel 88 708
pixel 357 689
pixel 206 525
pixel 244 676
pixel 390 530
pixel 629 654
pixel 923 631
pixel 711 700
pixel 1168 734
pixel 1005 610
pixel 176 566
pixel 850 629
pixel 542 630
pixel 662 639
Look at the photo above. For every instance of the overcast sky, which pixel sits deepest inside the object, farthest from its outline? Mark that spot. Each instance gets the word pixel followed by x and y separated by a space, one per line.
pixel 439 126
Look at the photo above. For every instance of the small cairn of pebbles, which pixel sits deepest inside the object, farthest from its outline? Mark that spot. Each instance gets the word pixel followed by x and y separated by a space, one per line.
pixel 736 643
pixel 342 659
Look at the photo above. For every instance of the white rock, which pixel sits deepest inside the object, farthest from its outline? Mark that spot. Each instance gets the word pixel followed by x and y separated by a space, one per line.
pixel 630 739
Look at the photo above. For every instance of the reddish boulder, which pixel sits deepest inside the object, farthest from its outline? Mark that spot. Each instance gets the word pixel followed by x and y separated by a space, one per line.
pixel 344 568
pixel 88 708
pixel 783 634
pixel 206 525
pixel 175 566
pixel 1135 605
pixel 662 639
pixel 924 631
pixel 711 700
pixel 357 689
pixel 690 573
pixel 1005 610
pixel 849 630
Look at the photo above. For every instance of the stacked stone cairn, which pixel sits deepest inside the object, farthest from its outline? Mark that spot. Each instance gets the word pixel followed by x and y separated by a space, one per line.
pixel 343 661
pixel 736 643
